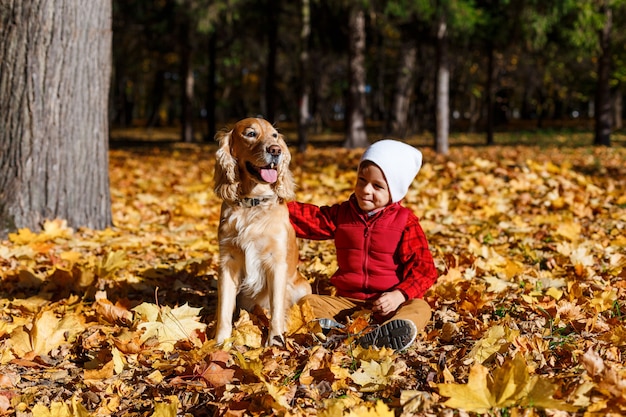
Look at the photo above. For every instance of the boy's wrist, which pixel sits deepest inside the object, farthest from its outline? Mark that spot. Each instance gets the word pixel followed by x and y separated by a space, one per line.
pixel 406 297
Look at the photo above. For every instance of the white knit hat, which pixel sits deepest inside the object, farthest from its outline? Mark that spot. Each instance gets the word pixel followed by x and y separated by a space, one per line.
pixel 399 162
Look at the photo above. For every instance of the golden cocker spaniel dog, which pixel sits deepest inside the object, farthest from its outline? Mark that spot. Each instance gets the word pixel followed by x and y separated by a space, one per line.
pixel 258 248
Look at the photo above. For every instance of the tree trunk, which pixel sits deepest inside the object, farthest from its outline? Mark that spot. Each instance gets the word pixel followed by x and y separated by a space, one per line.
pixel 356 134
pixel 377 101
pixel 403 89
pixel 187 80
pixel 212 88
pixel 618 108
pixel 489 92
pixel 158 92
pixel 304 83
pixel 273 7
pixel 443 87
pixel 603 90
pixel 55 60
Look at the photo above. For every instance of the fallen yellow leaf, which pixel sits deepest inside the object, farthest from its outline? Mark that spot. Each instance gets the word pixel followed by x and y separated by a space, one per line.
pixel 169 325
pixel 475 396
pixel 246 333
pixel 372 375
pixel 510 385
pixel 495 340
pixel 167 408
pixel 47 332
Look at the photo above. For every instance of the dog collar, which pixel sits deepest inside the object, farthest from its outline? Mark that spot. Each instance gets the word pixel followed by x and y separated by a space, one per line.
pixel 253 202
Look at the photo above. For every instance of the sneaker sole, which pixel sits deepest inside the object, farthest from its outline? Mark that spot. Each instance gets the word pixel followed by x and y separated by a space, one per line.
pixel 397 334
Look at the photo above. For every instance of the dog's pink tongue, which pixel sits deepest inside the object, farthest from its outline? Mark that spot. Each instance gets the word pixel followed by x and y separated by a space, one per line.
pixel 269 175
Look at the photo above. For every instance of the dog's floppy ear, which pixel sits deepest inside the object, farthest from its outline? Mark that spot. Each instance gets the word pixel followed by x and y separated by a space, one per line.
pixel 285 185
pixel 226 178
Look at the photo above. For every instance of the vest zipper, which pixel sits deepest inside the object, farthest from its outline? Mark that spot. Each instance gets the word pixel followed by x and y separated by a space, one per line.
pixel 366 256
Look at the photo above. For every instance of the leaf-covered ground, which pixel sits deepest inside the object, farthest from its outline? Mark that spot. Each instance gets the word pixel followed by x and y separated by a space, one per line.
pixel 529 311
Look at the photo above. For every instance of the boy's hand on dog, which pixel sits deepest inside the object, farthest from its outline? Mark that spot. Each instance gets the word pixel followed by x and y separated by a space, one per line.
pixel 388 302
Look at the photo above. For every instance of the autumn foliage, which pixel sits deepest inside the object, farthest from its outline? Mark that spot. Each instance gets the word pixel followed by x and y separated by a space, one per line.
pixel 529 310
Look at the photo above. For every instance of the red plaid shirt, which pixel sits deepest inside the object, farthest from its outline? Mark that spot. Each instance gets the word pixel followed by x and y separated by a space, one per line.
pixel 418 269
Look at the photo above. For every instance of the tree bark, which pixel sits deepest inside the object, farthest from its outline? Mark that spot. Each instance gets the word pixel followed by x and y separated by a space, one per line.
pixel 55 68
pixel 187 79
pixel 489 92
pixel 405 81
pixel 211 104
pixel 304 114
pixel 442 113
pixel 356 134
pixel 156 98
pixel 618 108
pixel 273 8
pixel 603 114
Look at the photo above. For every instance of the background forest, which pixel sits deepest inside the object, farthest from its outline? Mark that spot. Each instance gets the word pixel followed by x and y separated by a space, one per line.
pixel 397 68
pixel 109 251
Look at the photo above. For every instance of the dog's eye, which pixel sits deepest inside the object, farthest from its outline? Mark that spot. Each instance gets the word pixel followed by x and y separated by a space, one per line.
pixel 275 135
pixel 251 134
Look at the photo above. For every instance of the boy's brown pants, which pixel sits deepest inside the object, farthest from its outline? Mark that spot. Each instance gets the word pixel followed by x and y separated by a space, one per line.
pixel 417 311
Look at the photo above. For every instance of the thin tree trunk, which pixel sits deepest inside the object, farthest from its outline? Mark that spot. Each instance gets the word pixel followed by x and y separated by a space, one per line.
pixel 187 80
pixel 273 7
pixel 618 108
pixel 378 108
pixel 356 134
pixel 405 81
pixel 603 90
pixel 304 83
pixel 158 91
pixel 212 87
pixel 55 68
pixel 122 102
pixel 443 87
pixel 489 92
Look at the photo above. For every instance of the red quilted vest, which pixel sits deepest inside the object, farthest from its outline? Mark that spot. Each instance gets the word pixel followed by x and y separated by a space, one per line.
pixel 366 257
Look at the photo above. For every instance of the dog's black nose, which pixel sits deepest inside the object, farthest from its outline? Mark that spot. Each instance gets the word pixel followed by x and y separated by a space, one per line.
pixel 274 150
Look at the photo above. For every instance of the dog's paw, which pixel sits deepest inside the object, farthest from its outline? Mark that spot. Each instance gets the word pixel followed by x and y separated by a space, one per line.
pixel 276 340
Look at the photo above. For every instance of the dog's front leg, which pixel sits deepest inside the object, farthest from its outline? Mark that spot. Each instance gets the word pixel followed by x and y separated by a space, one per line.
pixel 227 287
pixel 278 285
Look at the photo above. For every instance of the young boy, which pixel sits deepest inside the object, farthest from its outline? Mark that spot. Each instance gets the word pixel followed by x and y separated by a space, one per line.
pixel 384 263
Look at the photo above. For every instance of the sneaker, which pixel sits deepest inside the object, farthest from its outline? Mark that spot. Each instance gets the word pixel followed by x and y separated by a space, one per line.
pixel 329 324
pixel 396 334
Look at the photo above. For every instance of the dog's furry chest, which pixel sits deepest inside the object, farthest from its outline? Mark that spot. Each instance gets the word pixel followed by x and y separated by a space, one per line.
pixel 251 237
pixel 242 227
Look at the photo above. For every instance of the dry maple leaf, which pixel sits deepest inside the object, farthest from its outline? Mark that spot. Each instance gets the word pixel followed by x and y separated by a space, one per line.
pixel 610 382
pixel 217 372
pixel 217 375
pixel 47 332
pixel 250 364
pixel 167 408
pixel 52 229
pixel 509 385
pixel 373 376
pixel 379 409
pixel 112 313
pixel 415 402
pixel 336 407
pixel 349 407
pixel 495 340
pixel 314 363
pixel 299 318
pixel 169 325
pixel 59 409
pixel 113 262
pixel 246 333
pixel 475 396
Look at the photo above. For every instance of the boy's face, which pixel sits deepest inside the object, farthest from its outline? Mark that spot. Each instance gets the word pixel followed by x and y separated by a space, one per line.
pixel 371 190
